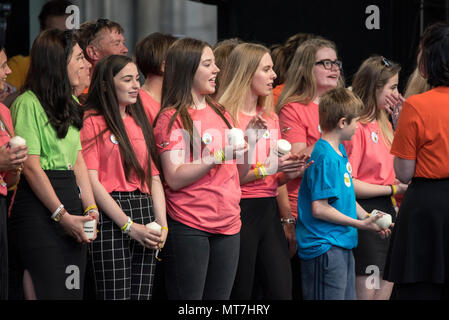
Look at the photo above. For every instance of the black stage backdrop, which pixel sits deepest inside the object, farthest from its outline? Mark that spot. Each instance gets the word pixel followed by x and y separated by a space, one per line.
pixel 344 22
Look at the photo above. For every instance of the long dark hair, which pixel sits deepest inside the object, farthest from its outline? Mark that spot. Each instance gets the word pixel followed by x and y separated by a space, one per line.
pixel 48 79
pixel 183 59
pixel 102 99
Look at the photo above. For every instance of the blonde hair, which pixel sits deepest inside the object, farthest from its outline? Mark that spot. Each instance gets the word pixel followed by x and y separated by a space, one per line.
pixel 372 76
pixel 336 104
pixel 237 77
pixel 416 84
pixel 300 83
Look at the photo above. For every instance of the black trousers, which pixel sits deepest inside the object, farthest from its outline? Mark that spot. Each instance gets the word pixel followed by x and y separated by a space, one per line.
pixel 264 260
pixel 3 250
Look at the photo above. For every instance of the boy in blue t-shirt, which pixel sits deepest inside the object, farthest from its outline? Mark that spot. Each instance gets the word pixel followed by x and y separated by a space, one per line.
pixel 327 210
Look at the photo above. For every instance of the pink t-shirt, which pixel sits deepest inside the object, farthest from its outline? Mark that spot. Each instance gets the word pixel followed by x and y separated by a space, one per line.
pixel 210 204
pixel 4 138
pixel 150 105
pixel 369 156
pixel 102 153
pixel 299 123
pixel 267 187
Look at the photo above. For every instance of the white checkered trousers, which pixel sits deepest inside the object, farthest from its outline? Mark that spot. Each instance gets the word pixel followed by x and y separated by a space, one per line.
pixel 123 268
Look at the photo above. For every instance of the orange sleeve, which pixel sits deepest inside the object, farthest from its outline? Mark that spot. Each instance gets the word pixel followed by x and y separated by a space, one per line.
pixel 406 139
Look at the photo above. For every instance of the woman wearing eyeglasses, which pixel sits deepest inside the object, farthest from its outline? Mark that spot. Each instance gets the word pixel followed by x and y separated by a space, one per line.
pixel 314 70
pixel 375 184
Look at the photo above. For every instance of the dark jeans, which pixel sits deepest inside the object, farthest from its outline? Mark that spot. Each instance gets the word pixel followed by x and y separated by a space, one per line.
pixel 199 265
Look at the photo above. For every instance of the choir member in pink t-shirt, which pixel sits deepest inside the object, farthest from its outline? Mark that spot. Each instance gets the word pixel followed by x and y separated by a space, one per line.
pixel 202 172
pixel 150 58
pixel 120 152
pixel 246 91
pixel 314 70
pixel 11 164
pixel 375 184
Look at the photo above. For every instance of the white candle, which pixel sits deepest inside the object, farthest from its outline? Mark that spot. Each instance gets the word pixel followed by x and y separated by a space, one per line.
pixel 235 137
pixel 17 141
pixel 283 147
pixel 385 221
pixel 154 226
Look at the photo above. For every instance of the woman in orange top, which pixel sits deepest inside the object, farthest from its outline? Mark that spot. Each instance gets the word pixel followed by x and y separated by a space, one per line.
pixel 417 261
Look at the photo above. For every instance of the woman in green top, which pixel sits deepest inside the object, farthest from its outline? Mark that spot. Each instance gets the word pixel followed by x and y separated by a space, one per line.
pixel 47 224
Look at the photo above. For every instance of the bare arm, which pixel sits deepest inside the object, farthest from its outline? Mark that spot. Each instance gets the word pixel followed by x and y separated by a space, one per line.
pixel 158 197
pixel 322 210
pixel 285 213
pixel 404 169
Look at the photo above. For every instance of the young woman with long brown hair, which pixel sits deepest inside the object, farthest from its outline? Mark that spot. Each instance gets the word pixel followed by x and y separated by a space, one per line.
pixel 120 153
pixel 202 173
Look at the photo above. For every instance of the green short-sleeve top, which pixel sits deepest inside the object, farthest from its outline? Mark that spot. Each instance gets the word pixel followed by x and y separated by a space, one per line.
pixel 31 123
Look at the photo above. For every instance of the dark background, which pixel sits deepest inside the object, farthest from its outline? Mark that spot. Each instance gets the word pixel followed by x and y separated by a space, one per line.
pixel 270 22
pixel 342 21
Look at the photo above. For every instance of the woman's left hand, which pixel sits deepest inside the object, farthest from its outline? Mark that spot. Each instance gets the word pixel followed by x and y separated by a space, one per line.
pixel 256 128
pixel 394 107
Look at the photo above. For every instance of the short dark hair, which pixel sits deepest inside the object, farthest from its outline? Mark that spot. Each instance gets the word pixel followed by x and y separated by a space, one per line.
pixel 88 31
pixel 52 8
pixel 435 54
pixel 151 52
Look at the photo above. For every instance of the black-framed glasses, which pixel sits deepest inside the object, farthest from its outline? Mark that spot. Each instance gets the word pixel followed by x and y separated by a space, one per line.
pixel 386 62
pixel 328 64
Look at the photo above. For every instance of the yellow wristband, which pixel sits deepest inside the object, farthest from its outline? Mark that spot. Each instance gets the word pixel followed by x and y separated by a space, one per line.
pixel 256 173
pixel 394 189
pixel 90 208
pixel 264 172
pixel 13 187
pixel 164 228
pixel 219 156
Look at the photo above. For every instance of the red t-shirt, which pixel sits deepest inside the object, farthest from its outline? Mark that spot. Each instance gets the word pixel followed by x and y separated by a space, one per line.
pixel 267 187
pixel 369 156
pixel 150 105
pixel 4 139
pixel 299 124
pixel 102 153
pixel 210 204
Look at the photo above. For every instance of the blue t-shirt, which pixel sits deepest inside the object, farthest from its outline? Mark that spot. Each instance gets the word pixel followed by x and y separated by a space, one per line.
pixel 329 177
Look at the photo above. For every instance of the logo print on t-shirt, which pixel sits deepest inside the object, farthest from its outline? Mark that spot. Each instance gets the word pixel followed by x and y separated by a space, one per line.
pixel 347 179
pixel 266 135
pixel 374 137
pixel 349 167
pixel 207 138
pixel 113 139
